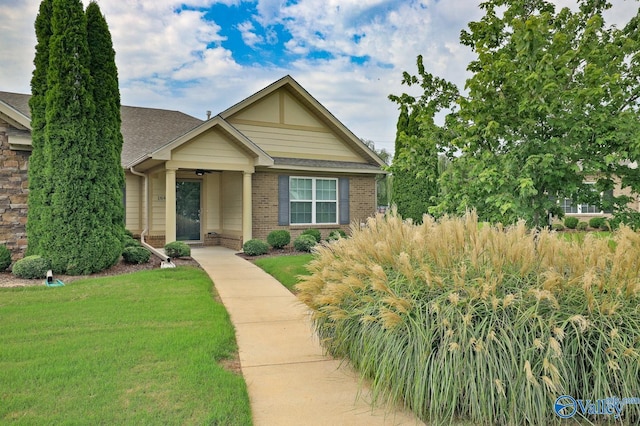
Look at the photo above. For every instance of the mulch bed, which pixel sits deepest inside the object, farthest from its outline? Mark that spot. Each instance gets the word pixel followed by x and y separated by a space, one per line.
pixel 287 251
pixel 8 280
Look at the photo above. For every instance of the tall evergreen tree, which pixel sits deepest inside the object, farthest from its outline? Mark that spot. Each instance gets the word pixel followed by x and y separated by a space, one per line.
pixel 38 195
pixel 106 95
pixel 415 170
pixel 76 240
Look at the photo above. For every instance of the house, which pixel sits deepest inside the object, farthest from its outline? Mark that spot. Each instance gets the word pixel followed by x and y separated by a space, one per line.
pixel 276 160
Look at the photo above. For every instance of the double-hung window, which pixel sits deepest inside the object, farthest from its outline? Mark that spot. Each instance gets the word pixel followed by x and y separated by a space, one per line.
pixel 568 206
pixel 313 200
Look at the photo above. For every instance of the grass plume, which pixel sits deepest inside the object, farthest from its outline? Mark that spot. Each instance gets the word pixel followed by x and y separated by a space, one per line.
pixel 460 320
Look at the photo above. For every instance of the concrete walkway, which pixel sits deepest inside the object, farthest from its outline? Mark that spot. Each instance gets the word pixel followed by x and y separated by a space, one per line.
pixel 290 381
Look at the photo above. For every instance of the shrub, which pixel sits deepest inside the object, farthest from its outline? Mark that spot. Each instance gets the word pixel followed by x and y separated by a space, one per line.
pixel 128 233
pixel 130 242
pixel 571 222
pixel 5 258
pixel 305 242
pixel 597 222
pixel 255 247
pixel 177 249
pixel 582 226
pixel 487 325
pixel 136 255
pixel 557 227
pixel 31 267
pixel 628 217
pixel 314 232
pixel 336 235
pixel 279 238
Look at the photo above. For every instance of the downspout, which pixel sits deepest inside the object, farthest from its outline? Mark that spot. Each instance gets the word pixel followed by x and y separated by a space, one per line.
pixel 166 261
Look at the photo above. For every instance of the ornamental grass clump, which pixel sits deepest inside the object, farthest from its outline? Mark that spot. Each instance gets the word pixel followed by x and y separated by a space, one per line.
pixel 484 324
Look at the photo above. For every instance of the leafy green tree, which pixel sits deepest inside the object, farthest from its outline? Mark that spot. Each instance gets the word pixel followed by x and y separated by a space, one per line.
pixel 38 194
pixel 76 239
pixel 551 104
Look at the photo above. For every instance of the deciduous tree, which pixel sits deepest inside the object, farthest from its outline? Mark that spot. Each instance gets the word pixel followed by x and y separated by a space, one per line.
pixel 552 103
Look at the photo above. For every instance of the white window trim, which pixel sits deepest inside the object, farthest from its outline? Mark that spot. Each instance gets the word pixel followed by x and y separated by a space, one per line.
pixel 314 201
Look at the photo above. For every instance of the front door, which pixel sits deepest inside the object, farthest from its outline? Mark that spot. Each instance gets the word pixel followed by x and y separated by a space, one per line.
pixel 188 210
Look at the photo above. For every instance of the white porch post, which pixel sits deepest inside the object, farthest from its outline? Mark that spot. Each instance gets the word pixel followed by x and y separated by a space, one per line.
pixel 247 208
pixel 170 206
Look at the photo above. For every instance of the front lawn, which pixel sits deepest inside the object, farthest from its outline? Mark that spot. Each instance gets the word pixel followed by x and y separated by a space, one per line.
pixel 143 348
pixel 286 269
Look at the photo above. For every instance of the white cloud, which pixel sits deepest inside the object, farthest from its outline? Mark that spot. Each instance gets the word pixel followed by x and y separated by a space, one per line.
pixel 170 57
pixel 250 38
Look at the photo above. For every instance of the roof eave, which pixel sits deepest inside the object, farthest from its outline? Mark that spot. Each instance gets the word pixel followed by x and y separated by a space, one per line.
pixel 15 117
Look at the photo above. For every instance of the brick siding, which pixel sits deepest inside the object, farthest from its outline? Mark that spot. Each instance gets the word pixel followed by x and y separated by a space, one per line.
pixel 362 204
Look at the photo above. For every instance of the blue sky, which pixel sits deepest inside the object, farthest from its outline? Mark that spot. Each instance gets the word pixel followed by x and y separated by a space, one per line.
pixel 199 55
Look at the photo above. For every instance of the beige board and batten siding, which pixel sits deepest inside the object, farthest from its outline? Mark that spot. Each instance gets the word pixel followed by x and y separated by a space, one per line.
pixel 157 185
pixel 212 202
pixel 283 127
pixel 232 202
pixel 211 150
pixel 134 203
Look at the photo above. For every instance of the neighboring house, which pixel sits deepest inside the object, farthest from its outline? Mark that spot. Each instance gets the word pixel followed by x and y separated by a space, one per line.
pixel 276 160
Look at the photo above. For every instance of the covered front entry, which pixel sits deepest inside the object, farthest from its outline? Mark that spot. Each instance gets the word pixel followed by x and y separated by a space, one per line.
pixel 213 208
pixel 200 186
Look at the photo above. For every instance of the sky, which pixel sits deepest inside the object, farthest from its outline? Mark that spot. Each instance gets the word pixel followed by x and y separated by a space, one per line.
pixel 207 55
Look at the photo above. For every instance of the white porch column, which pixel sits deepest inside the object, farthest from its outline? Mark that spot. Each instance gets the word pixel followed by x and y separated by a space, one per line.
pixel 170 206
pixel 247 208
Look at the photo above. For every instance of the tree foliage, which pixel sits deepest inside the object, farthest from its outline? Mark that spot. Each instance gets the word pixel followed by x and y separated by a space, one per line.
pixel 106 95
pixel 80 227
pixel 552 103
pixel 38 186
pixel 383 180
pixel 416 162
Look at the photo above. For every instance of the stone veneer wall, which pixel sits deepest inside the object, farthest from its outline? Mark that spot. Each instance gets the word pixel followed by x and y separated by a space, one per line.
pixel 362 204
pixel 13 195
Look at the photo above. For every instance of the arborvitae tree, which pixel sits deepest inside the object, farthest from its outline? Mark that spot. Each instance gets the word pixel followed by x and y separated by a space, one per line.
pixel 415 163
pixel 415 167
pixel 106 94
pixel 38 194
pixel 76 240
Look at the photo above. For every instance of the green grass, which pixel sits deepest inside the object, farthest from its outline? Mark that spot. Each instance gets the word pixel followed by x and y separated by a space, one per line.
pixel 579 236
pixel 143 348
pixel 286 269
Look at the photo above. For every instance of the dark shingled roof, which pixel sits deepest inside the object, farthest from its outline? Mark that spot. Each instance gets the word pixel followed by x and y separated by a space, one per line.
pixel 17 101
pixel 302 162
pixel 144 129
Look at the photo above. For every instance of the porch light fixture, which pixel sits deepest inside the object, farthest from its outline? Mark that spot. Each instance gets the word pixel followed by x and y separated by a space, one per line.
pixel 200 172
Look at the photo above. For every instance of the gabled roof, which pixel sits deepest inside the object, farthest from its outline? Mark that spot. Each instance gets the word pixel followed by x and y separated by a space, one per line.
pixel 300 94
pixel 150 133
pixel 240 140
pixel 144 129
pixel 15 108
